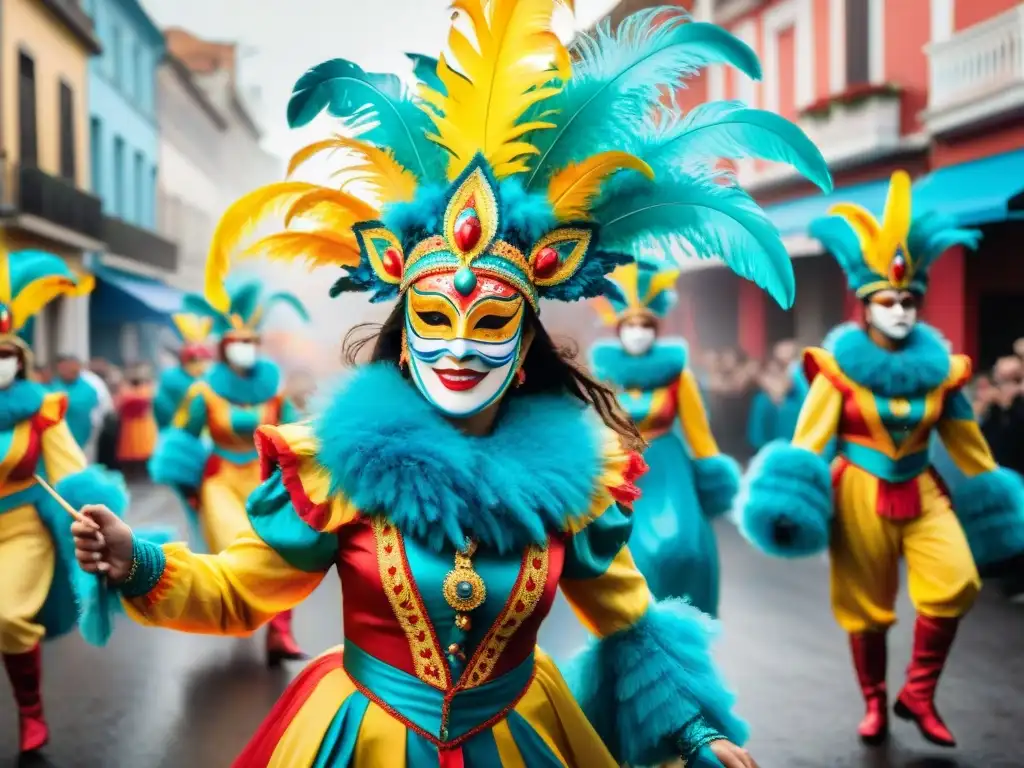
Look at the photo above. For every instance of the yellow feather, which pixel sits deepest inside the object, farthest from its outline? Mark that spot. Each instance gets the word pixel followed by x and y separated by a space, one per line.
pixel 193 329
pixel 320 248
pixel 5 274
pixel 37 294
pixel 865 225
pixel 627 277
pixel 516 62
pixel 895 220
pixel 305 154
pixel 341 208
pixel 605 310
pixel 572 189
pixel 363 162
pixel 238 223
pixel 660 282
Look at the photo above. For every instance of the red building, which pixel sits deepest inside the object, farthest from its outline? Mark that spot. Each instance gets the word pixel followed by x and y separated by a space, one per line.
pixel 932 86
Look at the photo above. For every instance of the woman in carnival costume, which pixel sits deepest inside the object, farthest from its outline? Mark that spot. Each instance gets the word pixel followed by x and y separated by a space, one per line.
pixel 37 565
pixel 137 430
pixel 194 356
pixel 689 481
pixel 882 390
pixel 237 394
pixel 469 471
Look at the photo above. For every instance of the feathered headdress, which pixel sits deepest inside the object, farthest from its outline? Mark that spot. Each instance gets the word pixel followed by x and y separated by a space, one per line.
pixel 644 289
pixel 194 331
pixel 524 161
pixel 243 310
pixel 29 280
pixel 897 251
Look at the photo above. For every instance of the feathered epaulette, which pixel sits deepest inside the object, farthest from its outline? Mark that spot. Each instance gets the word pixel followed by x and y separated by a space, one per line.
pixel 379 448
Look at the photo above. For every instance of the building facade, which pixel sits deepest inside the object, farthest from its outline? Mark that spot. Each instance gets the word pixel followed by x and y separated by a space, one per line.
pixel 932 86
pixel 131 303
pixel 45 48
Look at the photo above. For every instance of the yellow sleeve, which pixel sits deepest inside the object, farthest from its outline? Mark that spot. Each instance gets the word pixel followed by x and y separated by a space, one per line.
pixel 959 430
pixel 62 456
pixel 694 419
pixel 230 593
pixel 819 416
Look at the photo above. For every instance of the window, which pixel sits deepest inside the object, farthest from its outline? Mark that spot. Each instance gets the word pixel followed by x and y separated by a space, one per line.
pixel 139 189
pixel 119 171
pixel 96 153
pixel 858 56
pixel 28 147
pixel 118 56
pixel 151 218
pixel 67 131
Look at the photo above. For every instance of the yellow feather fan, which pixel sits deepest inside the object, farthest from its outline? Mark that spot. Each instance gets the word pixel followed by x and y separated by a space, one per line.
pixel 572 189
pixel 363 163
pixel 318 248
pixel 515 63
pixel 246 213
pixel 879 240
pixel 193 329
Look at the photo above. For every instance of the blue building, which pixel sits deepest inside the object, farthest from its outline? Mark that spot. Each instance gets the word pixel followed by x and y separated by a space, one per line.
pixel 131 303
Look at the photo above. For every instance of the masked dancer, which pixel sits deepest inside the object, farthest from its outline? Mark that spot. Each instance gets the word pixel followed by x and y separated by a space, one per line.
pixel 469 471
pixel 239 392
pixel 37 565
pixel 194 357
pixel 689 481
pixel 881 390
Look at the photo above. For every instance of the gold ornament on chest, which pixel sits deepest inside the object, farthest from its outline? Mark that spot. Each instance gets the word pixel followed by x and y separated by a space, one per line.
pixel 899 407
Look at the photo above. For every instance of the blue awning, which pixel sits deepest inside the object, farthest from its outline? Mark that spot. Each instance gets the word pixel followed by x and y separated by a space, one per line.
pixel 120 297
pixel 792 217
pixel 978 192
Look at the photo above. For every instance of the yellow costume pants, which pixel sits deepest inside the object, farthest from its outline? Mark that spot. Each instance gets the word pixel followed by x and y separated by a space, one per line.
pixel 866 549
pixel 26 572
pixel 222 503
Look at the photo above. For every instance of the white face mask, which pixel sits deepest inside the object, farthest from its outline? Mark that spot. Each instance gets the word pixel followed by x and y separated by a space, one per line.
pixel 8 371
pixel 891 315
pixel 240 354
pixel 637 339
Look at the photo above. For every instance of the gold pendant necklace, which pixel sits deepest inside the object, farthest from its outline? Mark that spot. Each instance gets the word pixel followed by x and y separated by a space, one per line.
pixel 465 591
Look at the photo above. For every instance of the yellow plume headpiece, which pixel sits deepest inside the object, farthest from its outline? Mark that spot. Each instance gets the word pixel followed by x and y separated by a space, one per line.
pixel 29 280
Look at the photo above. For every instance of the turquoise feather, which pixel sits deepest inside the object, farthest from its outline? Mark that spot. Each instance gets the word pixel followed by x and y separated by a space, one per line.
pixel 425 70
pixel 382 110
pixel 291 300
pixel 838 238
pixel 702 217
pixel 245 299
pixel 28 266
pixel 932 234
pixel 731 130
pixel 619 77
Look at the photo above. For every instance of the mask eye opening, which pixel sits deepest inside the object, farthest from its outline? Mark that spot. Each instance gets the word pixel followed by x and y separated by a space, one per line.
pixel 492 322
pixel 435 319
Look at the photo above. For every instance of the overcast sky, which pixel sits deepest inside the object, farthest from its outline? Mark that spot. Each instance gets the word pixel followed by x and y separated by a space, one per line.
pixel 283 38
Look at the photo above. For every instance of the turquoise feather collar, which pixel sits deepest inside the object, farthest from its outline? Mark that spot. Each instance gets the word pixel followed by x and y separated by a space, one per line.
pixel 20 401
pixel 262 383
pixel 919 367
pixel 389 450
pixel 662 364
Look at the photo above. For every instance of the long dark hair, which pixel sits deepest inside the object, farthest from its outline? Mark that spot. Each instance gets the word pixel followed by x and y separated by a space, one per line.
pixel 550 368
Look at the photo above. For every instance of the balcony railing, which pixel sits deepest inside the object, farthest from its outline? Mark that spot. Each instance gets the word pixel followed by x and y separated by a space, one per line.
pixel 978 74
pixel 27 190
pixel 138 244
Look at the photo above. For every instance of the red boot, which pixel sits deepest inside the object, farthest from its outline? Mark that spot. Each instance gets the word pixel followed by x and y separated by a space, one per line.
pixel 869 660
pixel 25 672
pixel 933 638
pixel 281 645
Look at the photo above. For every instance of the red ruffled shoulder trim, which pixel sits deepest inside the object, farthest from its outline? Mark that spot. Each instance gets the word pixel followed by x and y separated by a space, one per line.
pixel 626 492
pixel 52 412
pixel 275 452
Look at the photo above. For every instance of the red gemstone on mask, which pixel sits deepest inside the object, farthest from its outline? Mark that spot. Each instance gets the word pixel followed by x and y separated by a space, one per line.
pixel 898 269
pixel 546 262
pixel 5 320
pixel 392 261
pixel 468 234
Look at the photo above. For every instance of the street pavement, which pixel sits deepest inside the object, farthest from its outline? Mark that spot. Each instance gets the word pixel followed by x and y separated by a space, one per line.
pixel 158 699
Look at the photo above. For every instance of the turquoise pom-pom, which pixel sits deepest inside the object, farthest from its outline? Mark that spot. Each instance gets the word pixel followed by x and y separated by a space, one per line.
pixel 786 489
pixel 990 507
pixel 718 481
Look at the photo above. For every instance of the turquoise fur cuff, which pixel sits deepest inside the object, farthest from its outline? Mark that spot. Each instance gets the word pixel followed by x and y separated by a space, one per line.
pixel 990 507
pixel 148 563
pixel 784 506
pixel 718 480
pixel 179 460
pixel 644 687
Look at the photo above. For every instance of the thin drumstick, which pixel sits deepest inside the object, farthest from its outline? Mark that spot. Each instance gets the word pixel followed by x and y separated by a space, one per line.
pixel 59 499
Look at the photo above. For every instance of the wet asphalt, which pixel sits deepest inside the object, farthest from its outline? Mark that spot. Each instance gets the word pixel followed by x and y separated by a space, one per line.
pixel 157 699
